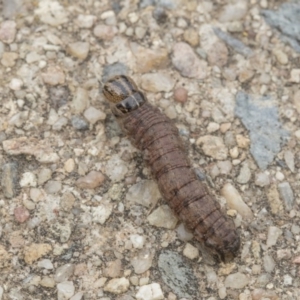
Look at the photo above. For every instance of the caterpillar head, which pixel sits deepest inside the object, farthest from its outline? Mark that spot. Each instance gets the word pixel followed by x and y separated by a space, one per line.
pixel 123 95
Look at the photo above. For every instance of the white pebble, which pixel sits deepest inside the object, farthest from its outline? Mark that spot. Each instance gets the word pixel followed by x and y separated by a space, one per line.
pixel 190 251
pixel 273 234
pixel 65 290
pixel 279 176
pixel 235 201
pixel 150 292
pixel 137 241
pixel 46 264
pixel 15 84
pixel 28 179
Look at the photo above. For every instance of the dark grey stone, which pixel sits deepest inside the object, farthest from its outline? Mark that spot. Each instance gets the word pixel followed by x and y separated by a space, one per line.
pixel 160 14
pixel 236 44
pixel 287 20
pixel 260 117
pixel 113 70
pixel 10 179
pixel 79 123
pixel 178 275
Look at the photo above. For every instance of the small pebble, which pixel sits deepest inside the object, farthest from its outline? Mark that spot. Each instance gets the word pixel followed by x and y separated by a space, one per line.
pixel 79 50
pixel 91 180
pixel 187 63
pixel 235 201
pixel 54 76
pixel 279 176
pixel 150 292
pixel 16 84
pixel 9 59
pixel 163 217
pixel 137 241
pixel 94 115
pixel 8 31
pixel 86 21
pixel 79 123
pixel 102 212
pixel 65 290
pixel 157 82
pixel 47 282
pixel 117 286
pixel 53 187
pixel 116 168
pixel 10 179
pixel 33 252
pixel 28 179
pixel 21 214
pixel 273 234
pixel 213 146
pixel 105 32
pixel 180 95
pixel 262 179
pixel 113 269
pixel 236 281
pixel 281 57
pixel 212 127
pixel 190 251
pixel 64 272
pixel 287 195
pixel 80 101
pixel 69 165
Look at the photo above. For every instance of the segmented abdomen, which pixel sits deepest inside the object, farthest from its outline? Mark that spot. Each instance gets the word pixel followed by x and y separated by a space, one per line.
pixel 153 133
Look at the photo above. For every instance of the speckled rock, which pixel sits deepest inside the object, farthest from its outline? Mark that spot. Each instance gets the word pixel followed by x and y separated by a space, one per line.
pixel 177 274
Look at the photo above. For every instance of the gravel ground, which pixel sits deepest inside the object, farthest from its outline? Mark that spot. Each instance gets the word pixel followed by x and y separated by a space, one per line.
pixel 81 217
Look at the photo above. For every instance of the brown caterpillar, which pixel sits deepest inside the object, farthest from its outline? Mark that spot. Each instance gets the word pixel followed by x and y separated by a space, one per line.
pixel 153 133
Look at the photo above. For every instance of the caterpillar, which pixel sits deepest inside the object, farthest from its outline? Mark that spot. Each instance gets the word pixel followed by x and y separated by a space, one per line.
pixel 157 137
